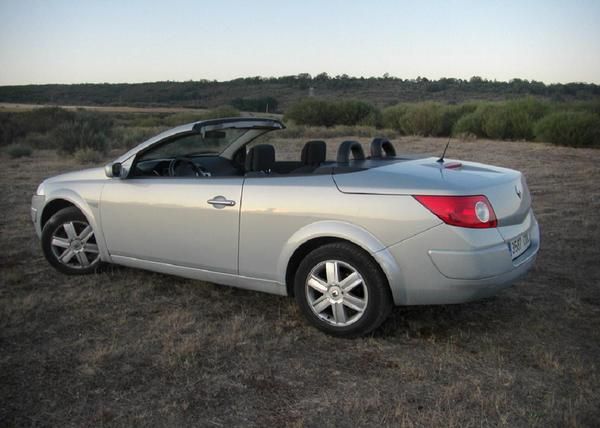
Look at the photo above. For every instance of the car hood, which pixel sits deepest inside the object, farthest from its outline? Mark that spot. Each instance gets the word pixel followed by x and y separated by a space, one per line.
pixel 85 174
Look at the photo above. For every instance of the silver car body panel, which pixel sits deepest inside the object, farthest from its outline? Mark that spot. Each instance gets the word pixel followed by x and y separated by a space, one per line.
pixel 173 225
pixel 168 220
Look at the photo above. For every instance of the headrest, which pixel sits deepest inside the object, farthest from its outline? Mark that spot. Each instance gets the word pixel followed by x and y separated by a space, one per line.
pixel 260 158
pixel 314 153
pixel 343 154
pixel 379 146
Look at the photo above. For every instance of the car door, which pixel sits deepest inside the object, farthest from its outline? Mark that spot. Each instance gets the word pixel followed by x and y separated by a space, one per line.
pixel 191 222
pixel 186 218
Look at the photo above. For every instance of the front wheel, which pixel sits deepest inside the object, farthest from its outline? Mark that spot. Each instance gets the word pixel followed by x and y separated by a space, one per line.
pixel 341 290
pixel 69 243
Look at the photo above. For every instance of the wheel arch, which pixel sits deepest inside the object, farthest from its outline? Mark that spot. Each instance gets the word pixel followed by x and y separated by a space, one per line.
pixel 322 233
pixel 52 207
pixel 67 198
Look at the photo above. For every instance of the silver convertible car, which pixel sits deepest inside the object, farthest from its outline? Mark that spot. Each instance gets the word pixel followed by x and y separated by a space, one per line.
pixel 348 237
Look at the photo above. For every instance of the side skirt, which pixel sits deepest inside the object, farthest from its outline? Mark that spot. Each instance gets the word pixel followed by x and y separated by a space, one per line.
pixel 247 283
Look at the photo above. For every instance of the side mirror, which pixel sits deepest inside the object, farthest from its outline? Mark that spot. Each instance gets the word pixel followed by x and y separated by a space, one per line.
pixel 113 169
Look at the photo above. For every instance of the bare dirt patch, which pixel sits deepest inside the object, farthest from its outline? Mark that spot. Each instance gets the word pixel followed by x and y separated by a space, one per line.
pixel 127 347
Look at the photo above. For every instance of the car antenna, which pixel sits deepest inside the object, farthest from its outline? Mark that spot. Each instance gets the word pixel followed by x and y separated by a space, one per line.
pixel 441 159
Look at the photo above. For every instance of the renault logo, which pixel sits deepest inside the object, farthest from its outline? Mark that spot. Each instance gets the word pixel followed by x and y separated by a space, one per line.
pixel 518 191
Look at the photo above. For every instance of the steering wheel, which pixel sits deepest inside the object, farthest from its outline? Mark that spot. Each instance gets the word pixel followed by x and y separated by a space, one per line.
pixel 182 166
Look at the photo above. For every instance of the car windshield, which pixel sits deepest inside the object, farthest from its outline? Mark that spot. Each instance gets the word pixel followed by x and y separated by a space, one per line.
pixel 195 144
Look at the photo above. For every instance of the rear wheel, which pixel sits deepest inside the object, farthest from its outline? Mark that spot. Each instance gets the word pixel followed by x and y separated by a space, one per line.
pixel 69 243
pixel 341 290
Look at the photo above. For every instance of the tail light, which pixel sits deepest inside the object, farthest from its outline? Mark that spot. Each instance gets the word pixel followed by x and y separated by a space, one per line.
pixel 463 211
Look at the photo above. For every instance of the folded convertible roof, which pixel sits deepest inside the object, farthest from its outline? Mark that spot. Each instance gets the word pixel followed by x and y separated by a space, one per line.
pixel 239 123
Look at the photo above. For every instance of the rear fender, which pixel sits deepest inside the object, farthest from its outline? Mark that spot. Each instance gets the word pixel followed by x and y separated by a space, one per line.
pixel 349 232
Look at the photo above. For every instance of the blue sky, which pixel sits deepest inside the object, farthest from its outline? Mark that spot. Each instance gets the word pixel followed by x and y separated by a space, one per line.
pixel 64 41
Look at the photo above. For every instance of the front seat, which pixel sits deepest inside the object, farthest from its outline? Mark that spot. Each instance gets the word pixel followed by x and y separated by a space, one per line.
pixel 313 155
pixel 260 160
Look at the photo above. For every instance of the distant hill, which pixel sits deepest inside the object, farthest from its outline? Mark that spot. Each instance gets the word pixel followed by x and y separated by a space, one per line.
pixel 276 94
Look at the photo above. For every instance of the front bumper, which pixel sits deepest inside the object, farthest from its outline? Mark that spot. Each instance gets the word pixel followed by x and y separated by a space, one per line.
pixel 454 265
pixel 37 203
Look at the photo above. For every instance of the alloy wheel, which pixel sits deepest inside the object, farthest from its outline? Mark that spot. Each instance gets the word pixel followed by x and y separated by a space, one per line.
pixel 74 245
pixel 336 293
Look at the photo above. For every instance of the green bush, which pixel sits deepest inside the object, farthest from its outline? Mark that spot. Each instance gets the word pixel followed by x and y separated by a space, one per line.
pixel 577 129
pixel 78 134
pixel 264 104
pixel 308 132
pixel 424 119
pixel 315 112
pixel 427 119
pixel 38 140
pixel 45 119
pixel 88 155
pixel 10 128
pixel 451 114
pixel 176 119
pixel 18 150
pixel 219 112
pixel 130 136
pixel 469 124
pixel 391 116
pixel 511 120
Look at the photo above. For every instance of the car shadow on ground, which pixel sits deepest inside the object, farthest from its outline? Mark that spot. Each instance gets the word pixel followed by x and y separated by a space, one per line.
pixel 414 322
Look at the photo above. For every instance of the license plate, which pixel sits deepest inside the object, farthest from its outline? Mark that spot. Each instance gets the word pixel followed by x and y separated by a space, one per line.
pixel 519 245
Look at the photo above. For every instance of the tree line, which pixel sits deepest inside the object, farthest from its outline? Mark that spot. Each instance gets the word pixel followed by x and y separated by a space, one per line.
pixel 276 93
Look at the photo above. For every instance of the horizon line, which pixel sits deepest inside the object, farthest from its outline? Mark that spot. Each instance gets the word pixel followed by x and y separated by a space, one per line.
pixel 385 76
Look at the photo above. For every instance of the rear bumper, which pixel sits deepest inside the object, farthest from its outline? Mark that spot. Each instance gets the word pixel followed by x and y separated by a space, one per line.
pixel 454 265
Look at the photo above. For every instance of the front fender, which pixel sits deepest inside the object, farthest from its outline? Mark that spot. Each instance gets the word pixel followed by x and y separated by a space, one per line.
pixel 91 210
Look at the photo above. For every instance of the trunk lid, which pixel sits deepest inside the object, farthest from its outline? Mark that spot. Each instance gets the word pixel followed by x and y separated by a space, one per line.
pixel 505 188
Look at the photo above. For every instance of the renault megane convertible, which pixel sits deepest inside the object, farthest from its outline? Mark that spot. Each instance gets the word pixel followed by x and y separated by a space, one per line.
pixel 348 237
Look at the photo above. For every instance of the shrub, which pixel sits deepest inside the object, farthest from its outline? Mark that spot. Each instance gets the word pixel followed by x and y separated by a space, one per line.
pixel 38 140
pixel 223 111
pixel 10 128
pixel 511 120
pixel 45 119
pixel 353 112
pixel 391 116
pixel 494 121
pixel 75 135
pixel 469 124
pixel 427 119
pixel 18 150
pixel 312 112
pixel 424 119
pixel 264 104
pixel 133 135
pixel 88 155
pixel 315 112
pixel 451 114
pixel 315 132
pixel 577 129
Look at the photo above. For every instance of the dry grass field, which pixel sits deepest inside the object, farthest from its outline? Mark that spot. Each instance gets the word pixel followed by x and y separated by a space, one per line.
pixel 127 347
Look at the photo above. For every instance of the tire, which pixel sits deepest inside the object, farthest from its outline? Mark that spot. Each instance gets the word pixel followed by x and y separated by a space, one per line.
pixel 69 243
pixel 342 291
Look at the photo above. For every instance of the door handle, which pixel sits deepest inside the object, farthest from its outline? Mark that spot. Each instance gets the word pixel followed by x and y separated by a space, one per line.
pixel 221 202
